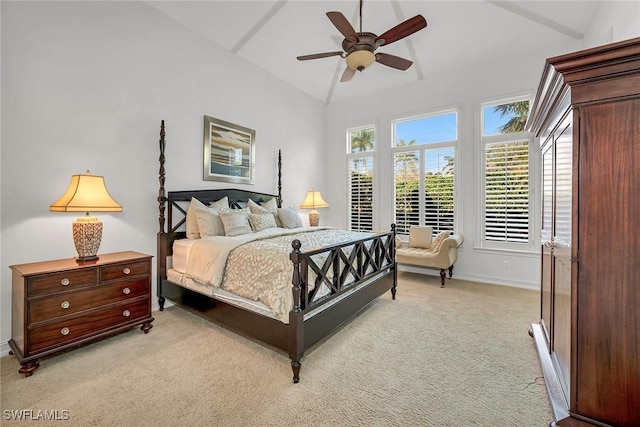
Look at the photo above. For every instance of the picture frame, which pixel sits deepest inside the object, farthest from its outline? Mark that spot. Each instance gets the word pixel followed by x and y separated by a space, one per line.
pixel 229 152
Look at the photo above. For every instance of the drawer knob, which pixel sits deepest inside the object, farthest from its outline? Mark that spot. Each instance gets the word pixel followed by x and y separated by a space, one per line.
pixel 64 331
pixel 126 313
pixel 126 270
pixel 126 291
pixel 65 304
pixel 65 282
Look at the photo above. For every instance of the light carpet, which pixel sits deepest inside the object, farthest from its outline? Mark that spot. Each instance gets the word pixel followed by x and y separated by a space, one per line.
pixel 453 356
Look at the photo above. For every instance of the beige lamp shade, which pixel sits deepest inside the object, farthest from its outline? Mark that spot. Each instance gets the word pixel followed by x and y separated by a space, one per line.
pixel 312 201
pixel 86 193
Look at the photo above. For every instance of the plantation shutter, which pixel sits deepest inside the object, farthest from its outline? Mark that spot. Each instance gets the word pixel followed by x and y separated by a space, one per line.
pixel 361 194
pixel 438 186
pixel 406 178
pixel 507 191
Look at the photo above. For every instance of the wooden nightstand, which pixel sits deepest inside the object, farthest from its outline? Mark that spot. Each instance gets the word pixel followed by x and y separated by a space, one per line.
pixel 62 304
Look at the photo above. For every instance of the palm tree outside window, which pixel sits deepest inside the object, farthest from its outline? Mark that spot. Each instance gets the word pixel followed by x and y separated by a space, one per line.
pixel 361 144
pixel 506 178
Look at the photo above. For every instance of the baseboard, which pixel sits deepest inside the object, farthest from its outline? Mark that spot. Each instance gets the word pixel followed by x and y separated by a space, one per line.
pixel 472 277
pixel 4 349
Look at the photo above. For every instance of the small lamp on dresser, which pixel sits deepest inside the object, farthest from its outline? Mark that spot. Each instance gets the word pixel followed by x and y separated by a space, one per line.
pixel 312 201
pixel 86 193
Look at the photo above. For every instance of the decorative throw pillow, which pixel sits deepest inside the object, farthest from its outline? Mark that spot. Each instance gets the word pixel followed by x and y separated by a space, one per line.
pixel 193 232
pixel 420 236
pixel 209 222
pixel 235 222
pixel 272 206
pixel 256 208
pixel 289 218
pixel 260 221
pixel 437 241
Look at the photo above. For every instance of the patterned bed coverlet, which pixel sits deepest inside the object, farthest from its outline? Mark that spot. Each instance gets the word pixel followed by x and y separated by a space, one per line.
pixel 257 265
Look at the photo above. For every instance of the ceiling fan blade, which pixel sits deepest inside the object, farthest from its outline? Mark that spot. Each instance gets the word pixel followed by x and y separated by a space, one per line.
pixel 402 30
pixel 341 23
pixel 393 61
pixel 348 74
pixel 319 55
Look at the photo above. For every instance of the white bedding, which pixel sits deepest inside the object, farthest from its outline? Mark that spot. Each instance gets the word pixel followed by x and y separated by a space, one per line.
pixel 181 249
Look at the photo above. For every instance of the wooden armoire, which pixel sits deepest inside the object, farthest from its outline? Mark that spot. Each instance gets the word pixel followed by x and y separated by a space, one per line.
pixel 586 116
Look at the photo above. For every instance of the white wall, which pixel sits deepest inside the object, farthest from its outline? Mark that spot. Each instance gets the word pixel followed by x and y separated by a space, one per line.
pixel 85 85
pixel 613 21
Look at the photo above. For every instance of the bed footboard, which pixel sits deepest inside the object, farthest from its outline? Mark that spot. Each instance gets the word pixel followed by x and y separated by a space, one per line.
pixel 356 273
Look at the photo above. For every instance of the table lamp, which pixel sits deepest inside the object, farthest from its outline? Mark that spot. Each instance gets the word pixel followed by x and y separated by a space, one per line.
pixel 312 201
pixel 86 193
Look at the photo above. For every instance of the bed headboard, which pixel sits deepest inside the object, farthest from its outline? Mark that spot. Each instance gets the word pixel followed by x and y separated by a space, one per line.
pixel 178 202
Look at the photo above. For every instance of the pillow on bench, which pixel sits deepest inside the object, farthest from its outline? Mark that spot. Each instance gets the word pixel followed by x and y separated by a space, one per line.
pixel 420 236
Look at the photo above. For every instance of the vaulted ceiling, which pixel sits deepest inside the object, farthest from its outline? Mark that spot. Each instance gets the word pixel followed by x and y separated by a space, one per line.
pixel 271 34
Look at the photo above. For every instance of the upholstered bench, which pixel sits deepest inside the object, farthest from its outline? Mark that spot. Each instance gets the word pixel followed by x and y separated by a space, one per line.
pixel 424 250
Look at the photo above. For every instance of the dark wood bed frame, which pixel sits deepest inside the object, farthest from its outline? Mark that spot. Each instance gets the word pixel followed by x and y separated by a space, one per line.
pixel 370 261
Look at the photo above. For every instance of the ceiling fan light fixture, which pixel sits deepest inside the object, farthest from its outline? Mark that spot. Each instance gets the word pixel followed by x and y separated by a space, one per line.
pixel 360 59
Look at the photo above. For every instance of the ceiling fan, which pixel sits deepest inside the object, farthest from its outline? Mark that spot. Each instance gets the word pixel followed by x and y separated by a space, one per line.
pixel 360 47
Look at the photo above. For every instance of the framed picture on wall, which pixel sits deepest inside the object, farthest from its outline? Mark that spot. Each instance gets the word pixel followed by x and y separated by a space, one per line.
pixel 229 152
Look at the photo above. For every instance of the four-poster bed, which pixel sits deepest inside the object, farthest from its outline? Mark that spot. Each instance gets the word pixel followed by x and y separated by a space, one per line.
pixel 326 285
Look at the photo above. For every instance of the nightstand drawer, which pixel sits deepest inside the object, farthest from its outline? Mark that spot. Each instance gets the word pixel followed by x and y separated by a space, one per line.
pixel 69 330
pixel 66 303
pixel 121 271
pixel 56 282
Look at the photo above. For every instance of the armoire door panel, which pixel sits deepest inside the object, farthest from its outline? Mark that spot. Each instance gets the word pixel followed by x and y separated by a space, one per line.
pixel 562 215
pixel 608 317
pixel 546 235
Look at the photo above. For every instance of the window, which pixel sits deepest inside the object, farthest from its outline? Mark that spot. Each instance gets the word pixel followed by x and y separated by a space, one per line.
pixel 424 164
pixel 360 150
pixel 506 193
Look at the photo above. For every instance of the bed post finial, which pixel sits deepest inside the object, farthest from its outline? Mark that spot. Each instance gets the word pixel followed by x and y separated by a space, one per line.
pixel 279 201
pixel 161 193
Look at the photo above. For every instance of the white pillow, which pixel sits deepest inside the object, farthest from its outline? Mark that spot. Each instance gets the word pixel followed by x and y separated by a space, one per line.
pixel 289 218
pixel 420 236
pixel 256 208
pixel 269 206
pixel 198 209
pixel 220 204
pixel 272 206
pixel 260 221
pixel 193 232
pixel 235 222
pixel 209 222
